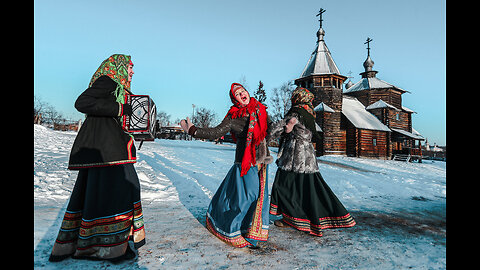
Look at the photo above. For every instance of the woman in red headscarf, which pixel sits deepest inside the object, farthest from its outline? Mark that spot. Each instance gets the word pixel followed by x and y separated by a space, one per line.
pixel 238 212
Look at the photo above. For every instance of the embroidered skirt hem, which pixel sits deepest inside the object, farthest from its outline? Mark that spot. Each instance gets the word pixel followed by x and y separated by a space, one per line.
pixel 104 213
pixel 238 212
pixel 307 203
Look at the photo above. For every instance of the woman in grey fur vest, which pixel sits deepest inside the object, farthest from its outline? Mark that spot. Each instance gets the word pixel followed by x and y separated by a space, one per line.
pixel 299 192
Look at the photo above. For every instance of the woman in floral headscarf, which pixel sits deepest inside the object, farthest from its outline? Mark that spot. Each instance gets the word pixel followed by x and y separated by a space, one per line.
pixel 299 192
pixel 104 213
pixel 238 212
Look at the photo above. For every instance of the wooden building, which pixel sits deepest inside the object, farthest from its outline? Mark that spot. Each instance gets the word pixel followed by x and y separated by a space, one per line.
pixel 366 119
pixel 75 126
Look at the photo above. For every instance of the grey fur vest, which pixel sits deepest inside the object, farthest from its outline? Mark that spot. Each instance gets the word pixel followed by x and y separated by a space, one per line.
pixel 296 153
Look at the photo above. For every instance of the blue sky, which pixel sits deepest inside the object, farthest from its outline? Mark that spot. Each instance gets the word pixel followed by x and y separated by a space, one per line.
pixel 189 52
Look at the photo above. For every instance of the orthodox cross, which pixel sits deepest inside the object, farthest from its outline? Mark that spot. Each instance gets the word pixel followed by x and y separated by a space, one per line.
pixel 320 12
pixel 349 74
pixel 368 45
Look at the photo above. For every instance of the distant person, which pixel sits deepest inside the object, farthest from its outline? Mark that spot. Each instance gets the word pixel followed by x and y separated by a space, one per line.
pixel 104 217
pixel 238 212
pixel 299 193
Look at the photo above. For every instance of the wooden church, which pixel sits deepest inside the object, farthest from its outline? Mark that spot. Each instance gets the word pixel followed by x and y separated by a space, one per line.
pixel 366 119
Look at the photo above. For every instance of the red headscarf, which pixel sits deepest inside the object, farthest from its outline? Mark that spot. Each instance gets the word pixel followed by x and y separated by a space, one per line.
pixel 257 127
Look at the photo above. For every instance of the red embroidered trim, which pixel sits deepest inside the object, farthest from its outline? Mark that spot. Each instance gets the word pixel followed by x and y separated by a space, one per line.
pixel 237 241
pixel 256 230
pixel 96 165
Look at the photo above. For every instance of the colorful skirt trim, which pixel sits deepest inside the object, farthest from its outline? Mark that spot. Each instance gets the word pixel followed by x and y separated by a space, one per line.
pixel 307 203
pixel 87 230
pixel 103 231
pixel 238 212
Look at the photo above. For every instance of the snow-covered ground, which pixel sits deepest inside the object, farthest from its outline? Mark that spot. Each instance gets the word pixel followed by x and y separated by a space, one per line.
pixel 399 207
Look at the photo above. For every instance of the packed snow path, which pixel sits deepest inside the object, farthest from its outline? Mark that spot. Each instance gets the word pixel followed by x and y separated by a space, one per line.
pixel 399 209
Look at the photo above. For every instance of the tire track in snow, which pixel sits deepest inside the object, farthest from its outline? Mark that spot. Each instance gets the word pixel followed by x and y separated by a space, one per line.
pixel 193 195
pixel 191 175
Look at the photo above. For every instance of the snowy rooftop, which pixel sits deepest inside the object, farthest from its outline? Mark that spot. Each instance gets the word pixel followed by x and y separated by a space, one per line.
pixel 380 104
pixel 322 107
pixel 371 83
pixel 414 132
pixel 359 116
pixel 412 135
pixel 321 61
pixel 407 109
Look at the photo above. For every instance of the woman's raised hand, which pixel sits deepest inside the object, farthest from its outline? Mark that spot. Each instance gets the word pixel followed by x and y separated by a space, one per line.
pixel 290 124
pixel 186 124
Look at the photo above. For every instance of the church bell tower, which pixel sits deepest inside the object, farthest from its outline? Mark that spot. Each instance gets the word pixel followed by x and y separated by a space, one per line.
pixel 322 77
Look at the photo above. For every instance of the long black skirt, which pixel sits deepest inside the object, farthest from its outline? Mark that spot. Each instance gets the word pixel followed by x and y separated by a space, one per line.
pixel 104 213
pixel 307 203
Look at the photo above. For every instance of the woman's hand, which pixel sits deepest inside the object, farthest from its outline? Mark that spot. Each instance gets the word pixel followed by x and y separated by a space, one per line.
pixel 186 125
pixel 289 126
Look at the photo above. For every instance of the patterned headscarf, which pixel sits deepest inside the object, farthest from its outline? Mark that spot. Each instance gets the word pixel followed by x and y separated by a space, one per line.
pixel 302 98
pixel 233 88
pixel 257 125
pixel 302 105
pixel 116 68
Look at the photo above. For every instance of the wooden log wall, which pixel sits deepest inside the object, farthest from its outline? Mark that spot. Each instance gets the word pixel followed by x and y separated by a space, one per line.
pixel 388 116
pixel 403 121
pixel 367 147
pixel 333 136
pixel 368 97
pixel 390 96
pixel 351 140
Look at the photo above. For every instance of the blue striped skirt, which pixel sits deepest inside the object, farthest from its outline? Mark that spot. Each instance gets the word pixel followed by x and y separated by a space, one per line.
pixel 238 212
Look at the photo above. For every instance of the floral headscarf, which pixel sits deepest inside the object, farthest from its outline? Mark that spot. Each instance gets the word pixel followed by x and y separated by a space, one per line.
pixel 302 105
pixel 302 98
pixel 115 67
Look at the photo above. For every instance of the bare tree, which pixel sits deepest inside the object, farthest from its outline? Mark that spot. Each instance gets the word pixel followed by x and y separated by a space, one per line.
pixel 51 115
pixel 38 107
pixel 177 120
pixel 280 100
pixel 204 117
pixel 163 118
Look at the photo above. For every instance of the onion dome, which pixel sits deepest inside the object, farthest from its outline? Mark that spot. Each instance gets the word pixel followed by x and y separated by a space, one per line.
pixel 368 64
pixel 349 84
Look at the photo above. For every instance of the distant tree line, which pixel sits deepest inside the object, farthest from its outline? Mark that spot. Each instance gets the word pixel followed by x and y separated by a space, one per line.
pixel 45 113
pixel 201 117
pixel 278 105
pixel 280 100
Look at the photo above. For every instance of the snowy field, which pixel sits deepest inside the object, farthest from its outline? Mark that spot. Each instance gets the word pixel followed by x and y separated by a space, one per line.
pixel 400 210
